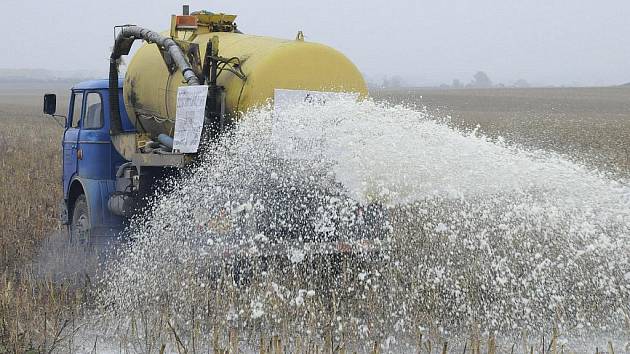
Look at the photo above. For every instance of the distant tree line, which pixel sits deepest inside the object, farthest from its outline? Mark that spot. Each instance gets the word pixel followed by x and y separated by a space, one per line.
pixel 482 80
pixel 479 80
pixel 393 82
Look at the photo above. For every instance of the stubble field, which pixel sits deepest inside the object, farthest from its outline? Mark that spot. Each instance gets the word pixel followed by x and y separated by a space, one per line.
pixel 589 125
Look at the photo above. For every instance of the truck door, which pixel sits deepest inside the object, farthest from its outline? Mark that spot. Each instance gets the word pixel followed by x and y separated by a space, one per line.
pixel 71 139
pixel 94 152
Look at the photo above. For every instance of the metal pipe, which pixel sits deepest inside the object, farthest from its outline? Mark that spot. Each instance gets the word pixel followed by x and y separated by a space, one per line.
pixel 166 141
pixel 122 168
pixel 115 123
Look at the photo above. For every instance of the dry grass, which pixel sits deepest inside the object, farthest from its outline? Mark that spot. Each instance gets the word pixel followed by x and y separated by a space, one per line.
pixel 30 171
pixel 37 314
pixel 226 339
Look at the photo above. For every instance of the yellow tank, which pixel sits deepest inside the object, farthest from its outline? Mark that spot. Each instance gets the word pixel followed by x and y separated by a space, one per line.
pixel 150 91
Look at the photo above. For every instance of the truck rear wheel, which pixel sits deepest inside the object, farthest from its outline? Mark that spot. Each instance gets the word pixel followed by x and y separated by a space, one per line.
pixel 80 228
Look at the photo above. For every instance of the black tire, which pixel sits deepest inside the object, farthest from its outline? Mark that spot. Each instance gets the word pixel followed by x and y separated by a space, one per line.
pixel 80 227
pixel 242 272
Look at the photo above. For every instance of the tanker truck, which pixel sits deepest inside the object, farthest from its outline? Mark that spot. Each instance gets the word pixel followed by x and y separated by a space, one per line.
pixel 182 87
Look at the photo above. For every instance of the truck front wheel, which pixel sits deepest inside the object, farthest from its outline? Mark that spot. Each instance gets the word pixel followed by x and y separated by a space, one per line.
pixel 80 228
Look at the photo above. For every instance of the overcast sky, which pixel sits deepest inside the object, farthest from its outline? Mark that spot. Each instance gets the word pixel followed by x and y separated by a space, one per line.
pixel 585 42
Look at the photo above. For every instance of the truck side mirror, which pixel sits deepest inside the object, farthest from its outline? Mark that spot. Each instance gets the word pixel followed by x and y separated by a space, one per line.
pixel 50 103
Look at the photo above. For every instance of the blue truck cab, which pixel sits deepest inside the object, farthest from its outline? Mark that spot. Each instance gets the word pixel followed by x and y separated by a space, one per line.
pixel 90 161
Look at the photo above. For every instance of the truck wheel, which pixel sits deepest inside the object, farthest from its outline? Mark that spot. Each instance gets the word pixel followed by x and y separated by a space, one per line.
pixel 80 228
pixel 242 272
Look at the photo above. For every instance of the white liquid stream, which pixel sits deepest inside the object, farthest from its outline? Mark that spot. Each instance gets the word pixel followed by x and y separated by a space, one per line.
pixel 507 237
